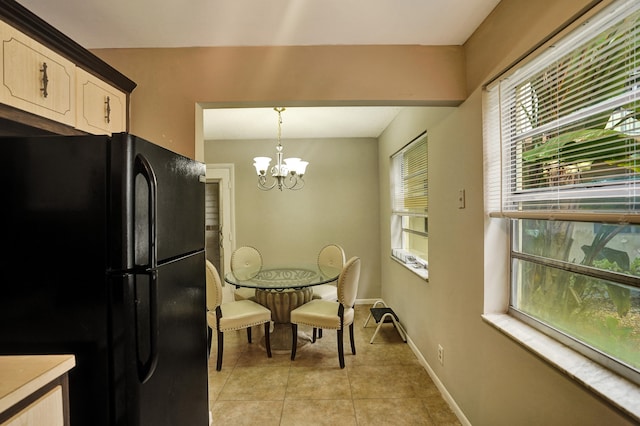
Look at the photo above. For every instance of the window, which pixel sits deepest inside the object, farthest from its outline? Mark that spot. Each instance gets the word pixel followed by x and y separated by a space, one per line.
pixel 409 210
pixel 563 167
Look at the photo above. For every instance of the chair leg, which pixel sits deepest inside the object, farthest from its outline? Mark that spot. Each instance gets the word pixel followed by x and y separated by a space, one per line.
pixel 353 343
pixel 340 348
pixel 319 333
pixel 220 347
pixel 267 339
pixel 294 340
pixel 313 339
pixel 249 334
pixel 209 338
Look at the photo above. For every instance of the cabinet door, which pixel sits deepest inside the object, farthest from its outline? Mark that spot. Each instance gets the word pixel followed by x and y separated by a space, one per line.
pixel 45 411
pixel 101 108
pixel 36 79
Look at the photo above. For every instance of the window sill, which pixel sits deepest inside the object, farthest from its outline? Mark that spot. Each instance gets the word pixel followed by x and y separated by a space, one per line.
pixel 617 391
pixel 420 271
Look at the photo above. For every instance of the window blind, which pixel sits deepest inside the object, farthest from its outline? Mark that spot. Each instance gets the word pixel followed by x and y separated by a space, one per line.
pixel 411 178
pixel 568 123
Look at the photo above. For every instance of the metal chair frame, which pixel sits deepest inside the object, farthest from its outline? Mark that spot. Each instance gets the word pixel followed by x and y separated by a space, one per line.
pixel 384 315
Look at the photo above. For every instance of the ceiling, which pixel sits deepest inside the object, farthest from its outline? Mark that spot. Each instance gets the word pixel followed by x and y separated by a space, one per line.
pixel 173 23
pixel 297 122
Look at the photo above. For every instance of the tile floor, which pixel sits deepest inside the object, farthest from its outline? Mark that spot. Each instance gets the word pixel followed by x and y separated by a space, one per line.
pixel 383 384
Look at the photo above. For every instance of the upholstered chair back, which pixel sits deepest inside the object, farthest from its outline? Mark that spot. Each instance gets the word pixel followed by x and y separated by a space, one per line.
pixel 214 287
pixel 332 257
pixel 246 262
pixel 348 282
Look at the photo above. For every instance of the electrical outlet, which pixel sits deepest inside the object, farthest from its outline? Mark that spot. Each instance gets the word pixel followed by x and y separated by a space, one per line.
pixel 440 355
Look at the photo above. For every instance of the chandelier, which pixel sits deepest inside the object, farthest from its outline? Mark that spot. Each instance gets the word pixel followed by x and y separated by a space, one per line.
pixel 288 174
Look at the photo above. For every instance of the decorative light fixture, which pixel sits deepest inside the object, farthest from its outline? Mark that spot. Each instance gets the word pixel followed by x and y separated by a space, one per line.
pixel 287 175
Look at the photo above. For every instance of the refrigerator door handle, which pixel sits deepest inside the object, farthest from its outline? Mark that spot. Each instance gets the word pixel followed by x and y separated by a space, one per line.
pixel 143 167
pixel 146 369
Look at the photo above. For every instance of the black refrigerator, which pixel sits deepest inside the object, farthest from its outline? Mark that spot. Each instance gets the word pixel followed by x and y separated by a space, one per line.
pixel 104 258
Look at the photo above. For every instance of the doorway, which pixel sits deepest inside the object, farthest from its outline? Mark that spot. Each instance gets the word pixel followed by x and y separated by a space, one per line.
pixel 219 223
pixel 212 228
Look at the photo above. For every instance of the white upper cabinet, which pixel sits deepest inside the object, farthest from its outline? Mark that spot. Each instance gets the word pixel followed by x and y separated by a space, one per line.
pixel 101 108
pixel 49 84
pixel 36 79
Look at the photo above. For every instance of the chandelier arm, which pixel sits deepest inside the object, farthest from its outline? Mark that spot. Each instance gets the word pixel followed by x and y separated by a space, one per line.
pixel 262 183
pixel 294 181
pixel 289 178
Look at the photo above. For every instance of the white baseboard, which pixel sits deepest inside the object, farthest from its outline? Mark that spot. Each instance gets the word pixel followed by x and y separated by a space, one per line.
pixel 366 301
pixel 445 394
pixel 443 390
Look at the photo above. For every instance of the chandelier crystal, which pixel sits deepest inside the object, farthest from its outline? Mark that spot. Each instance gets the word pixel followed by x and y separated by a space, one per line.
pixel 287 173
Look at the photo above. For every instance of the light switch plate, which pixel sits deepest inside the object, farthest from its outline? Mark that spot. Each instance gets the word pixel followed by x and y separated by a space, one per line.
pixel 461 199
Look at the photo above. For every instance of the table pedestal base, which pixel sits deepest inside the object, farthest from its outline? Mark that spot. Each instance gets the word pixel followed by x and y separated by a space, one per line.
pixel 281 303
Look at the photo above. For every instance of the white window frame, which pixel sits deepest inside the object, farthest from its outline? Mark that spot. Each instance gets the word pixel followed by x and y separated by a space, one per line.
pixel 618 391
pixel 414 260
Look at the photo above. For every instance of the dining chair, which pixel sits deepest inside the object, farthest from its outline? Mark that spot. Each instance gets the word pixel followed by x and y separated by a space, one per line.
pixel 330 257
pixel 231 316
pixel 246 262
pixel 331 315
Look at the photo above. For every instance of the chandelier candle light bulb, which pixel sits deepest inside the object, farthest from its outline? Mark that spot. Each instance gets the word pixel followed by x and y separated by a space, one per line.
pixel 287 175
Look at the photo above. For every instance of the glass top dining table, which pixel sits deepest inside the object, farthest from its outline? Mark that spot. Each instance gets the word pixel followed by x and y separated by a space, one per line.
pixel 281 278
pixel 282 289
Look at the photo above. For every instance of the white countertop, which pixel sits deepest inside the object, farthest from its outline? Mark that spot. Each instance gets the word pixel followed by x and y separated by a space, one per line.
pixel 21 375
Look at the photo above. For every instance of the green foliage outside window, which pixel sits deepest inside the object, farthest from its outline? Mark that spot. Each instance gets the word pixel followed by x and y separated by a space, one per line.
pixel 603 313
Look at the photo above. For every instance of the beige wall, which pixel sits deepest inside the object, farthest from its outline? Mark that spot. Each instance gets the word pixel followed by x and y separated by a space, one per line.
pixel 171 81
pixel 492 380
pixel 513 29
pixel 339 203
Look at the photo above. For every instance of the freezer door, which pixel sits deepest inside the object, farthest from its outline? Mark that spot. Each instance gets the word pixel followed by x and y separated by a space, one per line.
pixel 158 204
pixel 159 346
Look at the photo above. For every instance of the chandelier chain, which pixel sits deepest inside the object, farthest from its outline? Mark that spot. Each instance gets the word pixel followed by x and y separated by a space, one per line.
pixel 279 110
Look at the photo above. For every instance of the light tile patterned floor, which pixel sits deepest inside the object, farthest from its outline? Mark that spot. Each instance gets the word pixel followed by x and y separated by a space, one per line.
pixel 383 384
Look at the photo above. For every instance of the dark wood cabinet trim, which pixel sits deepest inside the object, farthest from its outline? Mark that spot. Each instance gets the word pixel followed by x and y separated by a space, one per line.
pixel 15 122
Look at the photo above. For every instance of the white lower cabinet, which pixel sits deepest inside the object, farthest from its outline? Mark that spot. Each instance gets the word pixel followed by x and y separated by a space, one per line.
pixel 34 390
pixel 45 411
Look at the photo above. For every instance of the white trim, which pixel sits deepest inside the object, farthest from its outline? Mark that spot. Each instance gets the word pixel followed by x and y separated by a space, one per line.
pixel 199 134
pixel 224 173
pixel 416 268
pixel 613 389
pixel 443 390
